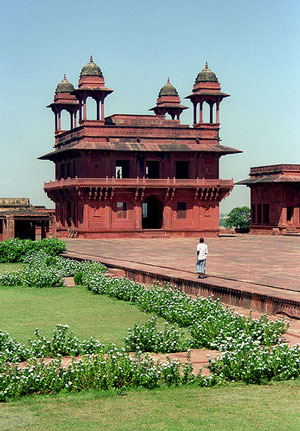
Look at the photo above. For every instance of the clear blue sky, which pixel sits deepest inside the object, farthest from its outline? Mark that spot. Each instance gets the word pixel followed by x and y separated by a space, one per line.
pixel 251 45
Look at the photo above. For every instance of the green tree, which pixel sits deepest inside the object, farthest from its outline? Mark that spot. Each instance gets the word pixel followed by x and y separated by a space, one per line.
pixel 239 217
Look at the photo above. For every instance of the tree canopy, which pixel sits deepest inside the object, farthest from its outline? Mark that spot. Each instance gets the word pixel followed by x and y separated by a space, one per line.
pixel 239 217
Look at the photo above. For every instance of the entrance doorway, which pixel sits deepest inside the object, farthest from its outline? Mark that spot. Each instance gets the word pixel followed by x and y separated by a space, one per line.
pixel 152 213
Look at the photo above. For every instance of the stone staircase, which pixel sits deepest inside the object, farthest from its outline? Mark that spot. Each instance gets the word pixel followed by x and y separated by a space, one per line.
pixel 154 233
pixel 291 231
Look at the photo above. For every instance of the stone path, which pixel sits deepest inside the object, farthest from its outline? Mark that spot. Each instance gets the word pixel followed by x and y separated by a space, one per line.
pixel 199 359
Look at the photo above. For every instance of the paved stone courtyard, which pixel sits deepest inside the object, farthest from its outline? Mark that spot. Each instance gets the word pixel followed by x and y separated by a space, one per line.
pixel 264 260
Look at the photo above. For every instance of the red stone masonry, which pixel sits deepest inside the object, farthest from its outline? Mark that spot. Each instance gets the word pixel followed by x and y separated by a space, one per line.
pixel 124 175
pixel 275 199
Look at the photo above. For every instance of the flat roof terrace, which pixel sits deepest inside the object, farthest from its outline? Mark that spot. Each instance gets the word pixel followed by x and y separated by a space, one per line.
pixel 258 272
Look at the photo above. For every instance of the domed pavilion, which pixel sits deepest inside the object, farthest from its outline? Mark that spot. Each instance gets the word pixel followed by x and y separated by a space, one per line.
pixel 127 175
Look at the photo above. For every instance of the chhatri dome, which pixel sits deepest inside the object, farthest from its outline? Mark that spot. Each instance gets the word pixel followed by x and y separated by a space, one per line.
pixel 206 75
pixel 168 90
pixel 91 69
pixel 64 86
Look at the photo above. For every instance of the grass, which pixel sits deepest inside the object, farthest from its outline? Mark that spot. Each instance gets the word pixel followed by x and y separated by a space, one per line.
pixel 232 408
pixel 10 266
pixel 23 309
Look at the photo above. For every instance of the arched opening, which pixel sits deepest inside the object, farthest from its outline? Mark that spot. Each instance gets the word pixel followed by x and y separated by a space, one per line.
pixel 91 108
pixel 65 120
pixel 152 213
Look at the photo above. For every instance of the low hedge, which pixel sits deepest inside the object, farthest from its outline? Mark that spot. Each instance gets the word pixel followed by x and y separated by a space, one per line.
pixel 15 249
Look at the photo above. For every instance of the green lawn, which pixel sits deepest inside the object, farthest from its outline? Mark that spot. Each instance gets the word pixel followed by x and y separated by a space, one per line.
pixel 232 408
pixel 10 266
pixel 23 309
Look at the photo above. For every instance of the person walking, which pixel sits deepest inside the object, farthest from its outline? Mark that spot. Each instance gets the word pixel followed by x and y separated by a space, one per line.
pixel 202 251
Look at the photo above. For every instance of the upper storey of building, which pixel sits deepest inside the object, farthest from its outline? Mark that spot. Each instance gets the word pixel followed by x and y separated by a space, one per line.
pixel 281 173
pixel 123 132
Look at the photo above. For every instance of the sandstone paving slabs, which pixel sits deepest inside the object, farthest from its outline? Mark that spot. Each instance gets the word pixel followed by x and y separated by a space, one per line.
pixel 199 359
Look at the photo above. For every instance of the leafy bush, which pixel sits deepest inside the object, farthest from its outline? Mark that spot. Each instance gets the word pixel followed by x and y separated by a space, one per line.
pixel 44 270
pixel 252 364
pixel 14 250
pixel 61 343
pixel 147 338
pixel 239 217
pixel 78 278
pixel 114 370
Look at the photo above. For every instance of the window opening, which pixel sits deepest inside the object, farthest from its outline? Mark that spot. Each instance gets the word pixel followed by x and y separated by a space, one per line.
pixel 181 209
pixel 152 169
pixel 121 209
pixel 182 170
pixel 253 213
pixel 266 211
pixel 259 213
pixel 122 169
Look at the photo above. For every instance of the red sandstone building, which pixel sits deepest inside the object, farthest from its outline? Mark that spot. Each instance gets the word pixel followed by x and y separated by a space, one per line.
pixel 275 199
pixel 20 219
pixel 129 175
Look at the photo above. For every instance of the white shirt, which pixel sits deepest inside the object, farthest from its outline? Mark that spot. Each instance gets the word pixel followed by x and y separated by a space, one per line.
pixel 202 250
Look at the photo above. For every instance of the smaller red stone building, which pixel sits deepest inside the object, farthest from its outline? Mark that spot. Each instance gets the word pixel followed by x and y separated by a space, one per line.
pixel 275 199
pixel 20 219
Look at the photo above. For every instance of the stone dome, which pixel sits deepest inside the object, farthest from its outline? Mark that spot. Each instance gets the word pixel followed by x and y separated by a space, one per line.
pixel 64 86
pixel 168 90
pixel 91 69
pixel 206 75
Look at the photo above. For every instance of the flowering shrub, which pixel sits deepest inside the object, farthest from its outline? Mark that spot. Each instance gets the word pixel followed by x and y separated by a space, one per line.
pixel 61 343
pixel 252 364
pixel 147 338
pixel 114 370
pixel 11 350
pixel 44 270
pixel 210 323
pixel 15 249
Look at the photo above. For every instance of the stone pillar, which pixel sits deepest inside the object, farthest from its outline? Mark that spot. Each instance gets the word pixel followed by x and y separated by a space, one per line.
pixel 195 112
pixel 167 215
pixel 59 121
pixel 84 109
pixel 296 216
pixel 217 113
pixel 201 112
pixel 283 216
pixel 138 214
pixel 102 109
pixel 85 221
pixel 9 229
pixel 108 215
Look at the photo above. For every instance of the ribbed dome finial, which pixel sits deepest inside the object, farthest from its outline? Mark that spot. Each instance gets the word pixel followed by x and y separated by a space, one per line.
pixel 91 69
pixel 168 90
pixel 206 75
pixel 64 86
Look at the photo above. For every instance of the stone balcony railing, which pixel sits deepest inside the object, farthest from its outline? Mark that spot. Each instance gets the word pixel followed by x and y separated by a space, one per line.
pixel 138 182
